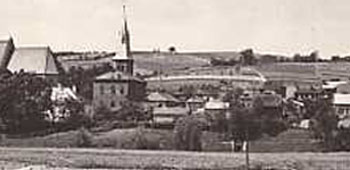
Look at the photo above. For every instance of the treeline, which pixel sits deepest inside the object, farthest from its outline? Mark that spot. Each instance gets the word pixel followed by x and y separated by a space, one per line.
pixel 248 57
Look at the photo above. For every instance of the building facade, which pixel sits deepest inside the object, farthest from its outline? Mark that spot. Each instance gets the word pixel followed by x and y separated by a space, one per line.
pixel 111 89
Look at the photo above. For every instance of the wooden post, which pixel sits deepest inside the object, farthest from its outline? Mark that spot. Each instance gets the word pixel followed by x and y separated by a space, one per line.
pixel 247 150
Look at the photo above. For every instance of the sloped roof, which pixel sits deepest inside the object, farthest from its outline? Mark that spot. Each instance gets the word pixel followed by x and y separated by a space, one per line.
pixel 5 54
pixel 62 93
pixel 216 105
pixel 345 123
pixel 170 111
pixel 161 97
pixel 341 99
pixel 333 84
pixel 195 100
pixel 117 76
pixel 38 60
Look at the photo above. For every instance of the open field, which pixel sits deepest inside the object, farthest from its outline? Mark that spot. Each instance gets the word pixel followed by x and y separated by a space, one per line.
pixel 136 159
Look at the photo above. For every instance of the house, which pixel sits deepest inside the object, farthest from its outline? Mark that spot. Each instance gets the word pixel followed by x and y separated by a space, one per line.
pixel 113 88
pixel 309 94
pixel 341 104
pixel 167 116
pixel 60 96
pixel 335 86
pixel 195 103
pixel 216 107
pixel 36 60
pixel 246 99
pixel 110 90
pixel 270 103
pixel 7 48
pixel 159 99
pixel 270 99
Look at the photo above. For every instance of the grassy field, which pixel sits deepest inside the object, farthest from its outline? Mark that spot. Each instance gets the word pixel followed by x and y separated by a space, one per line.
pixel 133 138
pixel 136 159
pixel 59 150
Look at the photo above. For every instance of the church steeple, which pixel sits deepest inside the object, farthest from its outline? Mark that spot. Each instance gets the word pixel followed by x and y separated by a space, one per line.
pixel 123 59
pixel 125 39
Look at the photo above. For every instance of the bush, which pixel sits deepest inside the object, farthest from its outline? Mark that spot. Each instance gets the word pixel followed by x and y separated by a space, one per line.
pixel 84 138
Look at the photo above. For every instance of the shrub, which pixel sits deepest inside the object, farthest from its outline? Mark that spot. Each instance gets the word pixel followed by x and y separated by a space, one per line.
pixel 84 138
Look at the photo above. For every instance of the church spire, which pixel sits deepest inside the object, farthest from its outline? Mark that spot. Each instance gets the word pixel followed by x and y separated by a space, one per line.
pixel 123 58
pixel 125 51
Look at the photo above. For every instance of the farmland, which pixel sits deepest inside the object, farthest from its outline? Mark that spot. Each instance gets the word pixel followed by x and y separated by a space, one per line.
pixel 137 159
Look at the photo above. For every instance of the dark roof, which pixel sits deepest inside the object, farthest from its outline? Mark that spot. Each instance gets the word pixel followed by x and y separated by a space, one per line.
pixel 308 91
pixel 6 50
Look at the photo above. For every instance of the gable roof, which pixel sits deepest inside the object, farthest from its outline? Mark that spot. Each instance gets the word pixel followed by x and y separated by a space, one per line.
pixel 195 100
pixel 170 111
pixel 161 97
pixel 216 105
pixel 117 76
pixel 341 99
pixel 6 50
pixel 38 60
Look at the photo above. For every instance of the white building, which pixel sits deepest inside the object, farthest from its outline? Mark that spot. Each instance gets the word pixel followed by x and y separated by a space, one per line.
pixel 341 104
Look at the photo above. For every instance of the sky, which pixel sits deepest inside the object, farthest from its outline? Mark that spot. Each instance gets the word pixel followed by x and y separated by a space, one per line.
pixel 281 27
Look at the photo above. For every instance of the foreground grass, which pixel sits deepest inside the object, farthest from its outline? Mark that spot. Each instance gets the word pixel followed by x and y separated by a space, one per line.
pixel 136 159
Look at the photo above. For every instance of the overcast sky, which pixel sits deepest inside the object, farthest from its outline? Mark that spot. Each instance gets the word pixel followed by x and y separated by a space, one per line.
pixel 268 26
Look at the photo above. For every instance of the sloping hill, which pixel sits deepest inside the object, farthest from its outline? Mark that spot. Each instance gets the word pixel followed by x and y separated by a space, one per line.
pixel 165 61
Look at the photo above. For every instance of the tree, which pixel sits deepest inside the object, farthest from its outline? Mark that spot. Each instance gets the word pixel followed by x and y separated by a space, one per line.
pixel 23 99
pixel 252 123
pixel 132 111
pixel 84 138
pixel 325 122
pixel 248 57
pixel 83 78
pixel 188 132
pixel 314 56
pixel 172 49
pixel 297 58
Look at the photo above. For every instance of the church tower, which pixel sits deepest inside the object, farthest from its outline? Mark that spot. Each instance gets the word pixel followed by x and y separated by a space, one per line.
pixel 123 60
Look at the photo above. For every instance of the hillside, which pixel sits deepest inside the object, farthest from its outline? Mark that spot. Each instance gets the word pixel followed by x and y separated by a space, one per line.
pixel 144 61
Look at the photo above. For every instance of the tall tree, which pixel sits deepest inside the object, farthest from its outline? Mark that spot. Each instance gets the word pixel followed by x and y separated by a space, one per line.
pixel 23 99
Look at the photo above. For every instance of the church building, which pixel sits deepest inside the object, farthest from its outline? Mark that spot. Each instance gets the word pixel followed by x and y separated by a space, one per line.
pixel 111 89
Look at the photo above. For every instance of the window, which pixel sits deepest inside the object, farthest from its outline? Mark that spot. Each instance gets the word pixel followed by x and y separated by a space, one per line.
pixel 102 89
pixel 121 90
pixel 112 89
pixel 112 104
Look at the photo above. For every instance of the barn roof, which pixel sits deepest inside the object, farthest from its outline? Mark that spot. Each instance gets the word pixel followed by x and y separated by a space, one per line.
pixel 6 50
pixel 38 60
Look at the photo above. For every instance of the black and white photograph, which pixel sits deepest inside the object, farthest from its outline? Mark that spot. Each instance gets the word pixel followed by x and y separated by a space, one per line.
pixel 174 85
